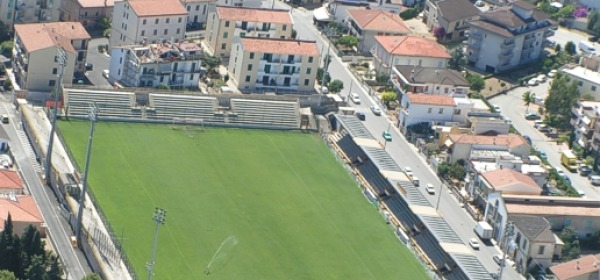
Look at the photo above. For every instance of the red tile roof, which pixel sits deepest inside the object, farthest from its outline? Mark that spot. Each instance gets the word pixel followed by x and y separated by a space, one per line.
pixel 377 20
pixel 510 140
pixel 10 180
pixel 280 46
pixel 429 99
pixel 412 46
pixel 254 15
pixel 96 3
pixel 22 210
pixel 37 36
pixel 578 268
pixel 511 181
pixel 145 8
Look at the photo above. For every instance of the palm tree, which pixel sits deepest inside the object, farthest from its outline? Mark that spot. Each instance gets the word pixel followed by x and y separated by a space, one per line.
pixel 528 98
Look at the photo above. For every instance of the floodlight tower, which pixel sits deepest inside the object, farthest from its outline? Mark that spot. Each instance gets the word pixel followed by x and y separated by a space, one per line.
pixel 93 118
pixel 159 219
pixel 61 58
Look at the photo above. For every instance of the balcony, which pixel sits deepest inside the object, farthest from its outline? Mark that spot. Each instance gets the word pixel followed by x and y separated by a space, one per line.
pixel 505 56
pixel 528 40
pixel 475 45
pixel 475 36
pixel 508 45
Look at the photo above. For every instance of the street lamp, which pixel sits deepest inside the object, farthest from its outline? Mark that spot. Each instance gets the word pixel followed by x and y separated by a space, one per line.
pixel 61 58
pixel 159 219
pixel 437 205
pixel 93 118
pixel 508 233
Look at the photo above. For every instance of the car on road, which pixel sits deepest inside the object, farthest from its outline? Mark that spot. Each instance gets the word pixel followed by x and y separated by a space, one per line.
pixel 595 180
pixel 541 78
pixel 533 82
pixel 498 259
pixel 543 155
pixel 584 170
pixel 532 116
pixel 408 171
pixel 474 243
pixel 543 128
pixel 387 136
pixel 105 73
pixel 430 189
pixel 496 108
pixel 361 116
pixel 528 139
pixel 480 3
pixel 355 98
pixel 4 118
pixel 376 111
pixel 538 100
pixel 89 66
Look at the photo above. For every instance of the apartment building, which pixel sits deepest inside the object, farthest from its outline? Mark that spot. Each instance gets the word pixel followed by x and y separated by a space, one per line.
pixel 32 11
pixel 389 51
pixel 176 65
pixel 451 16
pixel 499 179
pixel 37 44
pixel 274 65
pixel 89 12
pixel 226 23
pixel 587 80
pixel 137 21
pixel 240 3
pixel 429 80
pixel 584 119
pixel 506 37
pixel 535 242
pixel 461 146
pixel 198 10
pixel 338 9
pixel 367 24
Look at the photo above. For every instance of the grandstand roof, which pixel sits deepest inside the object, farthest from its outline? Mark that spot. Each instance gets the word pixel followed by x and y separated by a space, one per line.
pixel 354 126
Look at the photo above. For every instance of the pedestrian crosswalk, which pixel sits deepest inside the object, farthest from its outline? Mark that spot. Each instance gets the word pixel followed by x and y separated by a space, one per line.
pixel 29 151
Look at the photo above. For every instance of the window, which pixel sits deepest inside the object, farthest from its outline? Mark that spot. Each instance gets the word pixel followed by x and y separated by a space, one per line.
pixel 166 31
pixel 441 111
pixel 179 20
pixel 223 46
pixel 251 55
pixel 54 71
pixel 143 33
pixel 226 23
pixel 589 224
pixel 242 34
pixel 308 70
pixel 541 249
pixel 247 78
pixel 168 20
pixel 178 30
pixel 249 67
pixel 156 21
pixel 580 83
pixel 457 111
pixel 204 10
pixel 197 7
pixel 51 83
pixel 188 8
pixel 192 77
pixel 429 110
pixel 310 59
pixel 593 88
pixel 306 81
pixel 524 245
pixel 225 34
pixel 155 32
pixel 284 27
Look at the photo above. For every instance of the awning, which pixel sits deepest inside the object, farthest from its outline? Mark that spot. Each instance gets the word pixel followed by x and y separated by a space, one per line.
pixel 321 14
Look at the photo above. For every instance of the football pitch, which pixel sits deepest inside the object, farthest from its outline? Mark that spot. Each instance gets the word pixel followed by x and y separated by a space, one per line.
pixel 241 204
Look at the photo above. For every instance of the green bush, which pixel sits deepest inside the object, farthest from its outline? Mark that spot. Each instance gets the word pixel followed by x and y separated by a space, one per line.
pixel 409 14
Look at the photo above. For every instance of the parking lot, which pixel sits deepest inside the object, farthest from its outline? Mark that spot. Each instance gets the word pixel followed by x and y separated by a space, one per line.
pixel 100 61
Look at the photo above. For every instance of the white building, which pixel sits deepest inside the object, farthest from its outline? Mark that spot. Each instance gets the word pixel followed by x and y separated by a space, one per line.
pixel 451 15
pixel 587 80
pixel 429 80
pixel 36 46
pixel 506 37
pixel 176 65
pixel 137 21
pixel 339 8
pixel 274 65
pixel 460 146
pixel 366 24
pixel 198 10
pixel 389 51
pixel 535 242
pixel 240 3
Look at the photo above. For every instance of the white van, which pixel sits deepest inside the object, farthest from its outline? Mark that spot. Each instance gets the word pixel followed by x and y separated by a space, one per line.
pixel 586 47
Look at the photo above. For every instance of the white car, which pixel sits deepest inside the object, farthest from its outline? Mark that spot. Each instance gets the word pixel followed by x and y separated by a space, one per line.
pixel 541 78
pixel 498 259
pixel 479 4
pixel 408 171
pixel 105 73
pixel 474 243
pixel 533 82
pixel 496 108
pixel 430 189
pixel 355 98
pixel 552 73
pixel 376 111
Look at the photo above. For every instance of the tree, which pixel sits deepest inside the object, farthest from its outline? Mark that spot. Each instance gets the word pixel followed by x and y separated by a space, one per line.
pixel 92 276
pixel 593 17
pixel 580 12
pixel 7 275
pixel 348 41
pixel 562 96
pixel 528 98
pixel 476 82
pixel 211 62
pixel 570 48
pixel 36 269
pixel 457 60
pixel 163 86
pixel 320 73
pixel 571 249
pixel 382 77
pixel 54 269
pixel 4 32
pixel 389 96
pixel 557 48
pixel 31 244
pixel 439 32
pixel 336 86
pixel 10 248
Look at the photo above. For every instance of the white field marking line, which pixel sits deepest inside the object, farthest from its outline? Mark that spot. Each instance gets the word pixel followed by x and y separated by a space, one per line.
pixel 322 209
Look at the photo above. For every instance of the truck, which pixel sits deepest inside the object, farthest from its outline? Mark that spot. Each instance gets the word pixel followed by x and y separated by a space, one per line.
pixel 483 230
pixel 569 160
pixel 586 47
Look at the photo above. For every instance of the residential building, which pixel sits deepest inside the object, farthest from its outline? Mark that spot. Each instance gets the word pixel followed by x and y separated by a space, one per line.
pixel 501 180
pixel 389 51
pixel 226 23
pixel 584 119
pixel 89 12
pixel 274 65
pixel 23 212
pixel 587 80
pixel 338 9
pixel 149 65
pixel 429 80
pixel 366 24
pixel 460 146
pixel 506 37
pixel 198 10
pixel 449 17
pixel 10 182
pixel 487 123
pixel 240 3
pixel 583 268
pixel 534 240
pixel 138 21
pixel 37 44
pixel 33 11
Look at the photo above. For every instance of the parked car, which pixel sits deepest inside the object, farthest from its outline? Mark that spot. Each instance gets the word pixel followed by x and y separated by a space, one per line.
pixel 528 139
pixel 361 116
pixel 4 118
pixel 584 170
pixel 498 259
pixel 496 108
pixel 474 243
pixel 533 82
pixel 105 73
pixel 552 73
pixel 532 116
pixel 376 111
pixel 538 100
pixel 387 136
pixel 543 155
pixel 541 78
pixel 408 171
pixel 430 189
pixel 355 98
pixel 89 66
pixel 595 180
pixel 480 3
pixel 543 128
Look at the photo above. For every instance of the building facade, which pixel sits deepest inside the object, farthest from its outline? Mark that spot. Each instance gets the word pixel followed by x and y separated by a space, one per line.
pixel 461 146
pixel 390 51
pixel 506 37
pixel 37 44
pixel 198 10
pixel 226 23
pixel 89 12
pixel 534 240
pixel 32 11
pixel 587 80
pixel 366 24
pixel 274 65
pixel 449 18
pixel 429 80
pixel 137 21
pixel 176 65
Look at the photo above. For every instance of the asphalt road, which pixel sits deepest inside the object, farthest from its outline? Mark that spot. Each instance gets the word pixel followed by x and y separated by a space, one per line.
pixel 401 151
pixel 73 260
pixel 564 35
pixel 514 108
pixel 100 62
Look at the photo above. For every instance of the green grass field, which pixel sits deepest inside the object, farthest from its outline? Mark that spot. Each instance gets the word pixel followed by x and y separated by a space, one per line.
pixel 288 207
